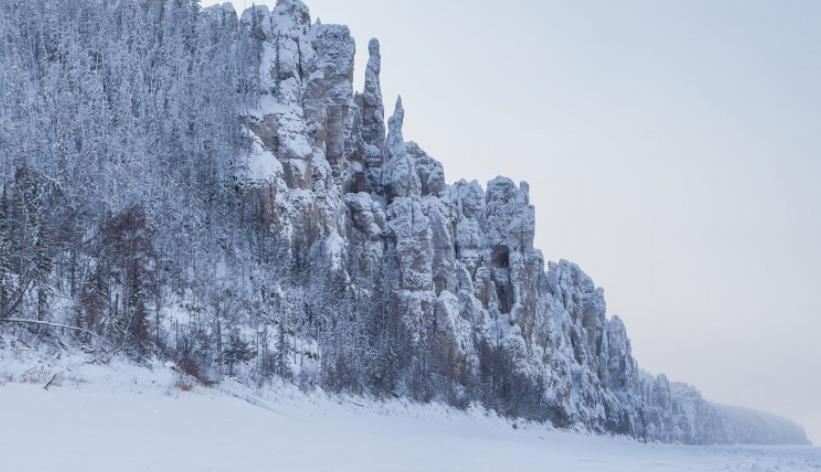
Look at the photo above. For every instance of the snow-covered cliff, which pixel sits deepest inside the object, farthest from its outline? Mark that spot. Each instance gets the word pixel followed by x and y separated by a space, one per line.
pixel 328 249
pixel 458 260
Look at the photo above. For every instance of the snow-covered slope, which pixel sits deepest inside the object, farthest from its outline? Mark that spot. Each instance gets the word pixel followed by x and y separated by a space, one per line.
pixel 129 419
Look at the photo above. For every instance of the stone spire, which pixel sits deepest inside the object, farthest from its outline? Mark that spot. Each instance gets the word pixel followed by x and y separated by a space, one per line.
pixel 373 110
pixel 399 176
pixel 395 145
pixel 373 118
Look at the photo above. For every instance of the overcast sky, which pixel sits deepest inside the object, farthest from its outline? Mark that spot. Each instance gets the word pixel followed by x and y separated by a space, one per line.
pixel 673 150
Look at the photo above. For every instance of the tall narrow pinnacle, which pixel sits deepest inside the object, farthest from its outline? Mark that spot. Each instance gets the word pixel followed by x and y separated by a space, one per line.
pixel 373 110
pixel 396 142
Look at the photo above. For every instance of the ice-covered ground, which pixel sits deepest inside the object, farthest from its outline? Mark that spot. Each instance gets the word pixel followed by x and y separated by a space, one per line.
pixel 127 419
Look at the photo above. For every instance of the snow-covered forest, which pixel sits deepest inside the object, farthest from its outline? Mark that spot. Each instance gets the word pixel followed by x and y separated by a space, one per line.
pixel 206 188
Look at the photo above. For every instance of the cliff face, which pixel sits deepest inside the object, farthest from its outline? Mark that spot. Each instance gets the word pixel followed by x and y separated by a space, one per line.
pixel 457 261
pixel 209 188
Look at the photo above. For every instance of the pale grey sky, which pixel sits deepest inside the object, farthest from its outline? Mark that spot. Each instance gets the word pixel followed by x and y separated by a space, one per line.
pixel 673 150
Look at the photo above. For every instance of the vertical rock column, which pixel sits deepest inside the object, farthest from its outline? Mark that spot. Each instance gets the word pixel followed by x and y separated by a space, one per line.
pixel 373 118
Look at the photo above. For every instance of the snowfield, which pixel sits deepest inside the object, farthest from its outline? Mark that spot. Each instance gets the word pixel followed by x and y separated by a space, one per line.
pixel 127 419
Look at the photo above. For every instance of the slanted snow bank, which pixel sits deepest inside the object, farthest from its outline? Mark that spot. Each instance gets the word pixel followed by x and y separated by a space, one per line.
pixel 127 418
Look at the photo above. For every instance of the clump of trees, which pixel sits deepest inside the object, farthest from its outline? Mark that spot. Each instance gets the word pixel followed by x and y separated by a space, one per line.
pixel 119 134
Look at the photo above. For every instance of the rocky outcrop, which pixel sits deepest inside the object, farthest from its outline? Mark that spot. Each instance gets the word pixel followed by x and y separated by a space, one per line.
pixel 457 261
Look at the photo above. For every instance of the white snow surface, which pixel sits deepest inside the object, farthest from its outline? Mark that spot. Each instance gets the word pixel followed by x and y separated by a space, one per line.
pixel 262 164
pixel 100 418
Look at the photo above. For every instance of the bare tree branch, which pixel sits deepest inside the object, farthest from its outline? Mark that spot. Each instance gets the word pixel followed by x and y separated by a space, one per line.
pixel 50 382
pixel 20 296
pixel 46 323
